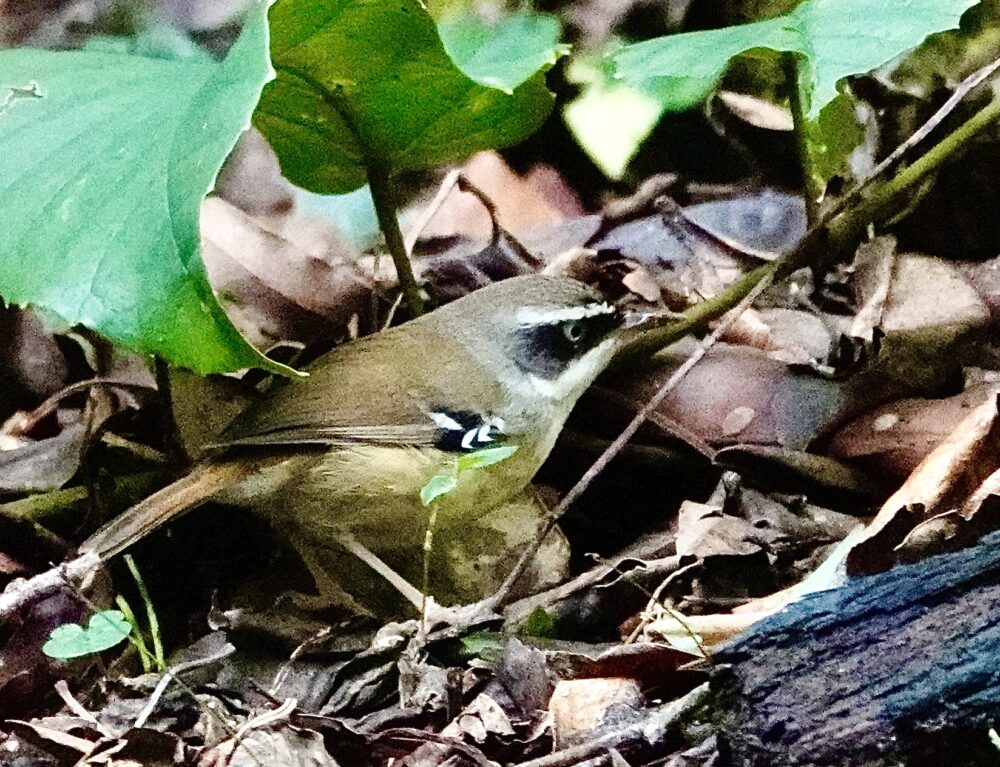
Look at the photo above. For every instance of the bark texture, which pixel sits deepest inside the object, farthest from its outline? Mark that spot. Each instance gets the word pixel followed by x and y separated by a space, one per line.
pixel 897 668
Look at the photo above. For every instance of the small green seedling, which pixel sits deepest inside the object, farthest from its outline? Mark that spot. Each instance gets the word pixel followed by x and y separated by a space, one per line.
pixel 109 627
pixel 71 640
pixel 442 484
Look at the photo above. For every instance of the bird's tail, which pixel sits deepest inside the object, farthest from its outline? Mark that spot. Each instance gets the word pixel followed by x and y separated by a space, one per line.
pixel 204 481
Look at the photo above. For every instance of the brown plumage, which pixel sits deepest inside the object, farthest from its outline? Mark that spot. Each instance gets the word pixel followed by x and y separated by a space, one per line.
pixel 350 447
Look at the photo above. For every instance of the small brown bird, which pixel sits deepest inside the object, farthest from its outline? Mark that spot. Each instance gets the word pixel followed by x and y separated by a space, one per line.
pixel 350 448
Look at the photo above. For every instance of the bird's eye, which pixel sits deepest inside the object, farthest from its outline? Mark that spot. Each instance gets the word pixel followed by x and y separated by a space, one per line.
pixel 575 332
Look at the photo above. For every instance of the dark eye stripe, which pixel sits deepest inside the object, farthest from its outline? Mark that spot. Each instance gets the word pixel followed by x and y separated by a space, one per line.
pixel 545 350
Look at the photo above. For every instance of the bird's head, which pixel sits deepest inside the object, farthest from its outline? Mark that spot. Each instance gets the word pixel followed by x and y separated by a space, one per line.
pixel 545 337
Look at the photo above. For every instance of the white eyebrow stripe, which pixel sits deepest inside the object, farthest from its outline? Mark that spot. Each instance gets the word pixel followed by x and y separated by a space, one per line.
pixel 445 421
pixel 540 315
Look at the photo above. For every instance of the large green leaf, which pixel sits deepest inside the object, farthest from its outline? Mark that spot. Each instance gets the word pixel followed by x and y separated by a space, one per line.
pixel 836 38
pixel 608 119
pixel 368 84
pixel 105 161
pixel 504 54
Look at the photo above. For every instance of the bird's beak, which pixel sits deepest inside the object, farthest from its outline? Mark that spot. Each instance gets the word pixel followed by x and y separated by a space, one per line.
pixel 637 332
pixel 635 322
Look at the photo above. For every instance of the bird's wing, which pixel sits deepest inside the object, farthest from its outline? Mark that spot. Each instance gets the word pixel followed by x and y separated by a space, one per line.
pixel 336 436
pixel 339 406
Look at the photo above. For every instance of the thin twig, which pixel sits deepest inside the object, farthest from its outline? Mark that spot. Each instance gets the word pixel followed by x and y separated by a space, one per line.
pixel 24 592
pixel 522 608
pixel 171 674
pixel 409 592
pixel 286 667
pixel 963 89
pixel 31 419
pixel 655 599
pixel 651 731
pixel 844 224
pixel 62 689
pixel 425 604
pixel 392 312
pixel 447 185
pixel 279 714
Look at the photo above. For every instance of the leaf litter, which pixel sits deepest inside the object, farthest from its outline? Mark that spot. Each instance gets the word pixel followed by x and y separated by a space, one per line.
pixel 776 450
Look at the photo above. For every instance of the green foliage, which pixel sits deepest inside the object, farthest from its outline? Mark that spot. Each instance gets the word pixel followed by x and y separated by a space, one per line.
pixel 835 38
pixel 506 54
pixel 994 738
pixel 71 640
pixel 539 624
pixel 831 139
pixel 364 86
pixel 442 484
pixel 438 485
pixel 485 645
pixel 832 39
pixel 480 459
pixel 608 119
pixel 106 160
pixel 153 660
pixel 109 151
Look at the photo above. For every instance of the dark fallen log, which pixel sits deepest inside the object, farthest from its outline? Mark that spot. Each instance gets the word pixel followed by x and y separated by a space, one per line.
pixel 897 668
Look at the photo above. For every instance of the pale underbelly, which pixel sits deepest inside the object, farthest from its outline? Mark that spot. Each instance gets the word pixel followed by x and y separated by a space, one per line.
pixel 374 493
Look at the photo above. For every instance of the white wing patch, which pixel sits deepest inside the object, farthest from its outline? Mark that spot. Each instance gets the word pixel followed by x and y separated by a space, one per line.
pixel 473 436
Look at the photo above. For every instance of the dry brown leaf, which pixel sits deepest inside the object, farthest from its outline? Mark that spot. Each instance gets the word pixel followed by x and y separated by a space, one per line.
pixel 251 177
pixel 984 276
pixel 57 736
pixel 287 746
pixel 481 719
pixel 579 706
pixel 536 200
pixel 199 15
pixel 894 438
pixel 757 112
pixel 703 530
pixel 30 358
pixel 931 293
pixel 737 386
pixel 873 267
pixel 942 482
pixel 275 290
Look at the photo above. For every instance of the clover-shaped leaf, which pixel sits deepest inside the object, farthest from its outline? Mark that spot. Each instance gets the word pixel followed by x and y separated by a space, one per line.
pixel 71 640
